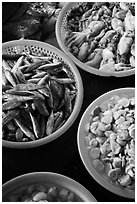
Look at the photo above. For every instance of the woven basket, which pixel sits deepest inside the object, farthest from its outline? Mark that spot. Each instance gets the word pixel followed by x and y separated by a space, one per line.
pixel 37 47
pixel 61 29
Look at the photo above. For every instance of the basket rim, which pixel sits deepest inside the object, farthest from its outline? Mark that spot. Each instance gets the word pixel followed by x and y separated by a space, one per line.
pixel 80 64
pixel 77 106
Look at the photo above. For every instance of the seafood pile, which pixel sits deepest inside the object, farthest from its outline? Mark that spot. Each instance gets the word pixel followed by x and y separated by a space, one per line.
pixel 38 95
pixel 110 140
pixel 102 35
pixel 42 193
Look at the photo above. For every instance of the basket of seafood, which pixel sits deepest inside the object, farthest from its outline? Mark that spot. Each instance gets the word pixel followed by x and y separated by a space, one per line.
pixel 106 141
pixel 45 187
pixel 99 36
pixel 42 93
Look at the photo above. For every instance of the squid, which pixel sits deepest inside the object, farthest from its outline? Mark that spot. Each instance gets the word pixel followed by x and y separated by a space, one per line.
pixel 96 59
pixel 95 27
pixel 129 22
pixel 116 23
pixel 124 44
pixel 107 54
pixel 83 51
pixel 108 36
pixel 109 66
pixel 77 39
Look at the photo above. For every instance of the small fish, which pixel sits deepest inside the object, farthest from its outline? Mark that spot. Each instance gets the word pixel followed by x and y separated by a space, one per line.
pixel 56 88
pixel 25 130
pixel 23 67
pixel 68 105
pixel 35 65
pixel 50 124
pixel 44 91
pixel 58 121
pixel 9 116
pixel 43 80
pixel 42 126
pixel 27 87
pixel 62 103
pixel 50 98
pixel 37 114
pixel 19 98
pixel 39 75
pixel 56 102
pixel 55 72
pixel 4 79
pixel 10 105
pixel 5 65
pixel 17 64
pixel 20 93
pixel 28 75
pixel 40 104
pixel 20 76
pixel 19 135
pixel 35 124
pixel 63 80
pixel 38 95
pixel 50 66
pixel 10 77
pixel 24 116
pixel 35 80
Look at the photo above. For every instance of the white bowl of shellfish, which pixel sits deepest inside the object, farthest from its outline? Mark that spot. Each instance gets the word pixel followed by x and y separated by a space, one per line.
pixel 45 187
pixel 106 141
pixel 99 36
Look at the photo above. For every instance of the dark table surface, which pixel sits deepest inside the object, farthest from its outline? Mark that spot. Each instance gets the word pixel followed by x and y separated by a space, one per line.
pixel 62 156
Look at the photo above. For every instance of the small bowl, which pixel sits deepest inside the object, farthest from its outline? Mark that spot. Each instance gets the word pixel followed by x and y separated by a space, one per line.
pixel 49 178
pixel 102 179
pixel 51 51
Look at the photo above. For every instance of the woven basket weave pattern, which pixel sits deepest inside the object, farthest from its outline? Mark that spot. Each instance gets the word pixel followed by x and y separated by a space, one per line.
pixel 36 50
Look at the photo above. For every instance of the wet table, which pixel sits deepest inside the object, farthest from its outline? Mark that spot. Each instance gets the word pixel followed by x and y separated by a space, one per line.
pixel 62 156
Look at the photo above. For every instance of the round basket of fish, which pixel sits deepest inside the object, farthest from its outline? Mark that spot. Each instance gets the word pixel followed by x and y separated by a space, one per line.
pixel 99 36
pixel 106 141
pixel 42 93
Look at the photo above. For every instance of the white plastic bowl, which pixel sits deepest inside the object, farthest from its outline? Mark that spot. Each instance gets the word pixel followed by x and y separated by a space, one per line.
pixel 83 151
pixel 47 178
pixel 61 29
pixel 38 47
